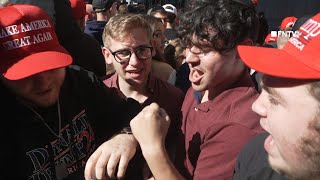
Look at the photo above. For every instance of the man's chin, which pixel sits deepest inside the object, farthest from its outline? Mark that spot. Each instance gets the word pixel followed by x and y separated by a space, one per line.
pixel 285 172
pixel 198 87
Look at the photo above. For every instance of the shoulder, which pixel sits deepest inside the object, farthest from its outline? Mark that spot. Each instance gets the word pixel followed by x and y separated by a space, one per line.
pixel 162 66
pixel 111 81
pixel 252 162
pixel 236 105
pixel 168 89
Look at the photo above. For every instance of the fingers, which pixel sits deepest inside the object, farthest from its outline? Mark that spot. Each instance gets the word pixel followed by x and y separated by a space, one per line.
pixel 90 165
pixel 123 164
pixel 112 164
pixel 101 165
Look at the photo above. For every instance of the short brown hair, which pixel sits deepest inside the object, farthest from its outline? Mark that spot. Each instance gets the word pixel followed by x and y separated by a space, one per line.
pixel 314 90
pixel 121 25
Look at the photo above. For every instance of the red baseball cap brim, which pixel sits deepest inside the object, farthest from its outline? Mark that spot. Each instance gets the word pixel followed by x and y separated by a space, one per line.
pixel 276 62
pixel 39 62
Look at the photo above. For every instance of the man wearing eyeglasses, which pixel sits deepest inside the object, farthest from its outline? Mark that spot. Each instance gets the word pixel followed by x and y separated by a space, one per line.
pixel 127 45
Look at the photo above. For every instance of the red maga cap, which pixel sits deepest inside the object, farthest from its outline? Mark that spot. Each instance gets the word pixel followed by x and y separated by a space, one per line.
pixel 28 42
pixel 78 8
pixel 288 22
pixel 269 39
pixel 299 59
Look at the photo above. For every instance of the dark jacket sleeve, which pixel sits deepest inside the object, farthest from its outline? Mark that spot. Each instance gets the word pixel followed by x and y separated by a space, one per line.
pixel 111 113
pixel 85 51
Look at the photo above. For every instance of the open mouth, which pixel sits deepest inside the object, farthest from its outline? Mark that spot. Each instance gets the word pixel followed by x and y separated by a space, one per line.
pixel 195 76
pixel 268 143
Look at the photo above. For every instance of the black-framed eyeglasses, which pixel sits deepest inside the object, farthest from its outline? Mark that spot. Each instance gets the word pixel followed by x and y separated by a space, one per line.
pixel 123 56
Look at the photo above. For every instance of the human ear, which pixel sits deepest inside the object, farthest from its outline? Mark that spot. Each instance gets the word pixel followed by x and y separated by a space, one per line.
pixel 107 55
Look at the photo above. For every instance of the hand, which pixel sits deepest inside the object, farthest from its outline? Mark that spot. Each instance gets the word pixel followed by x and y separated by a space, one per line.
pixel 150 127
pixel 120 149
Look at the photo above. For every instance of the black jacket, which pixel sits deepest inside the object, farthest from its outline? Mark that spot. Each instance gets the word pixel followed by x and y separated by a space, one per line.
pixel 90 114
pixel 85 50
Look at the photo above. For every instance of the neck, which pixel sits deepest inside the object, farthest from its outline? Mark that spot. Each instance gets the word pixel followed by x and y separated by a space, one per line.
pixel 138 93
pixel 102 16
pixel 169 26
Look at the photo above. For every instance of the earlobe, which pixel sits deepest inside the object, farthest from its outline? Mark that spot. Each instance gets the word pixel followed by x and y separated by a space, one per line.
pixel 106 53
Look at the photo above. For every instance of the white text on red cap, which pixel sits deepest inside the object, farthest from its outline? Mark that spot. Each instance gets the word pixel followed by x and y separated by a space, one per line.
pixel 26 40
pixel 311 29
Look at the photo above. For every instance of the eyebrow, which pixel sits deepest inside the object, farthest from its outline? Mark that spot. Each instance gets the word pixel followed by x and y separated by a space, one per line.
pixel 134 48
pixel 272 92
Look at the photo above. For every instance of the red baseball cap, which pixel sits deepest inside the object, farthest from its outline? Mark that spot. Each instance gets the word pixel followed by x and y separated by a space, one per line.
pixel 299 59
pixel 288 22
pixel 28 42
pixel 269 39
pixel 78 8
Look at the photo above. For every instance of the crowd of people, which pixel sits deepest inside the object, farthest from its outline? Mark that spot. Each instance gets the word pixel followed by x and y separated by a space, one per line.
pixel 108 89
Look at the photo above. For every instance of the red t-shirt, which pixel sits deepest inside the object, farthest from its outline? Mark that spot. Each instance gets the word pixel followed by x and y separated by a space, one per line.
pixel 216 130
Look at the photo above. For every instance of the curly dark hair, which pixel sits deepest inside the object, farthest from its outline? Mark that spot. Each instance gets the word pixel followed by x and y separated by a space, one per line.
pixel 218 24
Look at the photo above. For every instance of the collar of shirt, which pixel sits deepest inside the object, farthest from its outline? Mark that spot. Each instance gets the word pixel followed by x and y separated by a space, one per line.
pixel 150 83
pixel 244 81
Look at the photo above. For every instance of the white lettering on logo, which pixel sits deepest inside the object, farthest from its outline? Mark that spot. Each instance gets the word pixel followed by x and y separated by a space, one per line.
pixel 311 27
pixel 298 44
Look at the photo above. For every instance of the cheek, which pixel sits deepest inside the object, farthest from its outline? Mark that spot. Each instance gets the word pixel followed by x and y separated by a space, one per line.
pixel 22 88
pixel 147 66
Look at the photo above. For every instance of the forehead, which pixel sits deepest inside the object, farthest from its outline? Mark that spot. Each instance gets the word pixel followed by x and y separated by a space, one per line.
pixel 289 89
pixel 135 37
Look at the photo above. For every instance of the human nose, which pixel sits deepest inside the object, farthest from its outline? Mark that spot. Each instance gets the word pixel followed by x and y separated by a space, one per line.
pixel 190 56
pixel 259 106
pixel 134 60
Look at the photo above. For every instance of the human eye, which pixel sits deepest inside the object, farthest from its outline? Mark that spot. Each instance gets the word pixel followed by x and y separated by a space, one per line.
pixel 143 52
pixel 156 35
pixel 273 101
pixel 123 53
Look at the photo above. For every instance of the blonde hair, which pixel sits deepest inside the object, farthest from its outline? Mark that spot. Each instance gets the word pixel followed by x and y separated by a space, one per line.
pixel 121 25
pixel 123 9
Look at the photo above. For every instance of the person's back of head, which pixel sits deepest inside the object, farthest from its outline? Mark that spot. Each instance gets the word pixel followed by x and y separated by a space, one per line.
pixel 123 9
pixel 160 13
pixel 171 13
pixel 104 9
pixel 79 12
pixel 223 24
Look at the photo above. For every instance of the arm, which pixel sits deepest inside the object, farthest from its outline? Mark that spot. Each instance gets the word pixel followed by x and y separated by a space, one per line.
pixel 150 127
